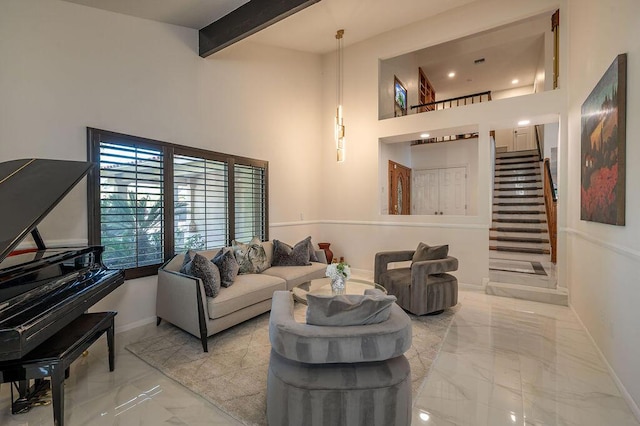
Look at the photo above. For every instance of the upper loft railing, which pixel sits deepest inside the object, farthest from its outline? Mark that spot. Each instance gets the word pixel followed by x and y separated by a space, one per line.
pixel 454 102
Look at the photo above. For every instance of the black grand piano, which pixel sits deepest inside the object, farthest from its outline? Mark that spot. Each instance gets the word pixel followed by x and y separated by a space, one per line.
pixel 42 291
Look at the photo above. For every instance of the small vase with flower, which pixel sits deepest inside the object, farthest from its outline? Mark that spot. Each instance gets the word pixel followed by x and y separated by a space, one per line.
pixel 339 273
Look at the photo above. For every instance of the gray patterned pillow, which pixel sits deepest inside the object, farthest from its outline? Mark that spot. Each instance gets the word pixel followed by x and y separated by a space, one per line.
pixel 203 268
pixel 424 252
pixel 187 258
pixel 251 257
pixel 285 255
pixel 313 257
pixel 228 266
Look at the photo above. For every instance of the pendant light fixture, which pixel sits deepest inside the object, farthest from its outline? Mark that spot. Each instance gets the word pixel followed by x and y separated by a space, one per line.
pixel 339 130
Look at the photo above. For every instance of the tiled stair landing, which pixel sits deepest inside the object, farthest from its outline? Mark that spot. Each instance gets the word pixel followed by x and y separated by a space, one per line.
pixel 519 260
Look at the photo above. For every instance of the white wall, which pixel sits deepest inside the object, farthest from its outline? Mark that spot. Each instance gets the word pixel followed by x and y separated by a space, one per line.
pixel 603 260
pixel 405 68
pixel 65 67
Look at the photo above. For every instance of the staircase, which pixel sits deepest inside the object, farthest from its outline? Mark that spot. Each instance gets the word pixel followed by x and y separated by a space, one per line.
pixel 519 251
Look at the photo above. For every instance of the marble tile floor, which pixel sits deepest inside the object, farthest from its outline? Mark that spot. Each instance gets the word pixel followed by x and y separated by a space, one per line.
pixel 504 362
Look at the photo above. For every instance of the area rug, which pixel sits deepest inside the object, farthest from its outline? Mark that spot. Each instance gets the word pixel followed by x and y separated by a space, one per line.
pixel 233 374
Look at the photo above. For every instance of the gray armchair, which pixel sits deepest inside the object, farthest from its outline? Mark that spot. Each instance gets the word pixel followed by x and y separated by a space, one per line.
pixel 338 375
pixel 424 288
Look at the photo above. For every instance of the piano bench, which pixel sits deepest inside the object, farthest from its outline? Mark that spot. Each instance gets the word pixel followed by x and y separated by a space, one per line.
pixel 54 357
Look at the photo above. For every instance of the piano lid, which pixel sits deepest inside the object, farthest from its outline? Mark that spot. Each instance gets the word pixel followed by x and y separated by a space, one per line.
pixel 29 190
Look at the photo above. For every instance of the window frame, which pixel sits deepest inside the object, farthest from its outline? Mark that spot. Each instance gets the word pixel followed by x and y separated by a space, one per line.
pixel 96 136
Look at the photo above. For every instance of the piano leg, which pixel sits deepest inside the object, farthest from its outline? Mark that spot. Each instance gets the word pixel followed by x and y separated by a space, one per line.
pixel 57 394
pixel 111 345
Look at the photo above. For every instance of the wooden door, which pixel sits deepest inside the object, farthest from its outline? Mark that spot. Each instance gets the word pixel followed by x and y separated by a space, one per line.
pixel 399 189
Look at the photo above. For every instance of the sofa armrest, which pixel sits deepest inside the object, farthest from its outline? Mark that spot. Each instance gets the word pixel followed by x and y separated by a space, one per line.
pixel 322 257
pixel 383 259
pixel 419 270
pixel 181 300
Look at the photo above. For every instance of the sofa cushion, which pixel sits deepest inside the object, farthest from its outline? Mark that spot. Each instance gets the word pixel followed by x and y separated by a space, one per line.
pixel 201 267
pixel 285 255
pixel 349 309
pixel 425 252
pixel 296 275
pixel 251 257
pixel 228 266
pixel 247 290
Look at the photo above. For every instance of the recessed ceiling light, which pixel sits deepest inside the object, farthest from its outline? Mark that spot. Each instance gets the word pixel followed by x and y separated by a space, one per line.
pixel 523 122
pixel 424 135
pixel 515 81
pixel 452 74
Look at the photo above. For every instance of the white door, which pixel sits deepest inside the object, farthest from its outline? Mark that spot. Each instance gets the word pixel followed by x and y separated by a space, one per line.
pixel 440 191
pixel 453 191
pixel 425 192
pixel 521 139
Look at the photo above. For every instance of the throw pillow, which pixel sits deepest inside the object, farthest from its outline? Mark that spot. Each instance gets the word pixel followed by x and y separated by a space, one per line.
pixel 251 257
pixel 285 255
pixel 349 309
pixel 201 267
pixel 187 258
pixel 424 252
pixel 313 257
pixel 228 266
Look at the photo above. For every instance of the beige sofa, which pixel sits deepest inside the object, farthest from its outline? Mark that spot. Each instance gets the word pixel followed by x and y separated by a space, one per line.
pixel 181 299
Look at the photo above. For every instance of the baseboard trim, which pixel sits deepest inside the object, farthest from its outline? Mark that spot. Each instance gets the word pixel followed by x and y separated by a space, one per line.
pixel 623 390
pixel 135 324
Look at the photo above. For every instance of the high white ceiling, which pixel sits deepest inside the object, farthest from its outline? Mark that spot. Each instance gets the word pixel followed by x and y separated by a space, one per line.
pixel 311 30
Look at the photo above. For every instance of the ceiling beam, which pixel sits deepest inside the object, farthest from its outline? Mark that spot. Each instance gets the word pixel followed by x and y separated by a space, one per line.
pixel 248 19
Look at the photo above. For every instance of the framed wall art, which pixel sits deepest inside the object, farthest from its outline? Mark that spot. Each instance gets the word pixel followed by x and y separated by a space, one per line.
pixel 400 98
pixel 603 142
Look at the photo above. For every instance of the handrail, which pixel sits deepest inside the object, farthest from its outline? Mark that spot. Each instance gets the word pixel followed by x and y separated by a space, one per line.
pixel 537 128
pixel 465 97
pixel 550 201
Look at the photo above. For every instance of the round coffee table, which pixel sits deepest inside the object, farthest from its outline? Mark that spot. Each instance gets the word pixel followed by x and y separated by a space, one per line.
pixel 322 286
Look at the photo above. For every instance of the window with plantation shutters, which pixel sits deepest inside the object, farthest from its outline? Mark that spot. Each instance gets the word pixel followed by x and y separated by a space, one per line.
pixel 250 202
pixel 148 200
pixel 131 205
pixel 201 203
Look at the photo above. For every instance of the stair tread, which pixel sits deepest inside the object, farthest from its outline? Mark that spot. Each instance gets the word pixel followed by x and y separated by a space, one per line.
pixel 520 240
pixel 519 196
pixel 502 220
pixel 518 212
pixel 523 230
pixel 520 249
pixel 519 204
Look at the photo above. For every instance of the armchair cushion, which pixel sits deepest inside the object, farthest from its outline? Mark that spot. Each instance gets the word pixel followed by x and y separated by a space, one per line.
pixel 425 252
pixel 371 308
